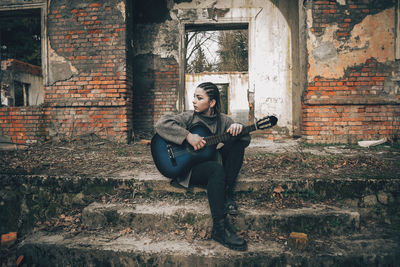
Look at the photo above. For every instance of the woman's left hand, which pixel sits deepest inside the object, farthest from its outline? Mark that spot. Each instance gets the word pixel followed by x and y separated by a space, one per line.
pixel 235 129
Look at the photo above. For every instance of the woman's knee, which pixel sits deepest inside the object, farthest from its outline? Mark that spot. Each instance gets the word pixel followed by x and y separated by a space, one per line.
pixel 218 172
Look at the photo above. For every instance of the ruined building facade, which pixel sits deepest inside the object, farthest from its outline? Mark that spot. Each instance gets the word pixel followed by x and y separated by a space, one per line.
pixel 329 70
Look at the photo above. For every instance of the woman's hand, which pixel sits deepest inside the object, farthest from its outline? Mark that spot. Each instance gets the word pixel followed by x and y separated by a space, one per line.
pixel 196 141
pixel 235 129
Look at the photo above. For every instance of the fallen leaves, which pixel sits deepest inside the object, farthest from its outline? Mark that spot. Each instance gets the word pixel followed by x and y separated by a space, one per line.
pixel 125 231
pixel 278 191
pixel 191 233
pixel 72 158
pixel 300 163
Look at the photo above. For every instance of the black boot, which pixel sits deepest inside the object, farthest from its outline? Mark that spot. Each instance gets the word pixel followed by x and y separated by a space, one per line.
pixel 222 233
pixel 231 207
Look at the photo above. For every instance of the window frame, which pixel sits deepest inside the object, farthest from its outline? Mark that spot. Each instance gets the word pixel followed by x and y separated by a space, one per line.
pixel 43 21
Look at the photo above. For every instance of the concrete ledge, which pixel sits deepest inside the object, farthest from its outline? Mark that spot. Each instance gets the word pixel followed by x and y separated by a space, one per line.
pixel 165 216
pixel 21 195
pixel 101 249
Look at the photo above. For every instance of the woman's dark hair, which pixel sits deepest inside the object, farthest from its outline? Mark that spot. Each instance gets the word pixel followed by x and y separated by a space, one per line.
pixel 213 93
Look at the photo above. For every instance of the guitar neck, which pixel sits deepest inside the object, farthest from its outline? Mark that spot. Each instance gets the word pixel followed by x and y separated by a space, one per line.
pixel 215 139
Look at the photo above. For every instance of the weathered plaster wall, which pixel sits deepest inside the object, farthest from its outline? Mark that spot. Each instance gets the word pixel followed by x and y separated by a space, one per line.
pixel 15 70
pixel 353 78
pixel 331 57
pixel 96 51
pixel 272 74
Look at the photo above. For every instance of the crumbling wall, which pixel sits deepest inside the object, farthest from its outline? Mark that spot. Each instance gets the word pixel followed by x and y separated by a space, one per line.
pixel 159 60
pixel 88 86
pixel 13 70
pixel 353 90
pixel 88 89
pixel 27 124
pixel 155 63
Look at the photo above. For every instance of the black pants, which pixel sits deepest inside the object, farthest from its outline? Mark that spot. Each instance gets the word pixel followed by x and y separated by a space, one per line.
pixel 220 179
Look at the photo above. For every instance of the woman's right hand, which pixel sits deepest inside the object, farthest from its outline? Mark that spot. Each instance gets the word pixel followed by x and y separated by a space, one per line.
pixel 196 141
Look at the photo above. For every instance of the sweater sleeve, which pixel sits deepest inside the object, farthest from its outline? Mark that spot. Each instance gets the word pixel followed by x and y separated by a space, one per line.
pixel 173 128
pixel 227 122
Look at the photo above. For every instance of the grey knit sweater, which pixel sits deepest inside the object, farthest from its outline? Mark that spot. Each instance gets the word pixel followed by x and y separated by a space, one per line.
pixel 174 128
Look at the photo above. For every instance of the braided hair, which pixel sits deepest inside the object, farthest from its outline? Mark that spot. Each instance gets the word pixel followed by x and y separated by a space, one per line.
pixel 213 93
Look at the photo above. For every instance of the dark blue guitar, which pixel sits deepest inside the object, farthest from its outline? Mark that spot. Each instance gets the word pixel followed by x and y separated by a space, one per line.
pixel 174 160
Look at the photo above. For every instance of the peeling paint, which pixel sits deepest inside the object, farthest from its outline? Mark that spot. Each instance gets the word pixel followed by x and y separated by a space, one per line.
pixel 271 42
pixel 373 37
pixel 60 69
pixel 121 8
pixel 341 2
pixel 165 43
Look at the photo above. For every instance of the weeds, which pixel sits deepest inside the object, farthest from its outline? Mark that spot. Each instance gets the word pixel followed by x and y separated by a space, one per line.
pixel 308 195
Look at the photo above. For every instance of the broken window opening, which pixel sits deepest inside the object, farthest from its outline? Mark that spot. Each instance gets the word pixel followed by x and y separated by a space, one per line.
pixel 221 48
pixel 21 94
pixel 219 53
pixel 21 79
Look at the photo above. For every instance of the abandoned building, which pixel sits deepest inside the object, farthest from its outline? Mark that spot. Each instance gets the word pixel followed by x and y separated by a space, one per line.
pixel 329 69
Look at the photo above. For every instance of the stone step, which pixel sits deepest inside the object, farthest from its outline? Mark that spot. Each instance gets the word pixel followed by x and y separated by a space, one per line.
pixel 66 191
pixel 136 249
pixel 147 179
pixel 145 182
pixel 168 217
pixel 357 191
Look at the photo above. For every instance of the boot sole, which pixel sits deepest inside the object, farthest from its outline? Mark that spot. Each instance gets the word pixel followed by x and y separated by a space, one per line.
pixel 237 248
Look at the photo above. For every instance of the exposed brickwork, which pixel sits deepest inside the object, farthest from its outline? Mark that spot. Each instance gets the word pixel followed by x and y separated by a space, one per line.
pixel 157 97
pixel 165 100
pixel 23 124
pixel 350 123
pixel 362 84
pixel 71 122
pixel 97 98
pixel 92 37
pixel 364 104
pixel 99 85
pixel 346 16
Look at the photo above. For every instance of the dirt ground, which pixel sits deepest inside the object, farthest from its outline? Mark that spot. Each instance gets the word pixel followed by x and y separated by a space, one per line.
pixel 95 157
pixel 92 156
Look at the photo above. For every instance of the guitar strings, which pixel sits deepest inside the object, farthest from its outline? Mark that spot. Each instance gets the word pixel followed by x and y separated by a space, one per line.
pixel 211 140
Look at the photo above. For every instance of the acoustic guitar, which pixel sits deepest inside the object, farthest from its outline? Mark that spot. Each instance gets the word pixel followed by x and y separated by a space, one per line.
pixel 173 160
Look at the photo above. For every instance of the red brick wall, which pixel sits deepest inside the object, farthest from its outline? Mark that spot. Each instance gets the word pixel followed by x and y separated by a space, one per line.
pixel 356 106
pixel 155 92
pixel 166 95
pixel 23 124
pixel 97 99
pixel 350 123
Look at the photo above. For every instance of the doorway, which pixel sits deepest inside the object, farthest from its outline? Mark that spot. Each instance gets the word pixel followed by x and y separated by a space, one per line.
pixel 218 53
pixel 21 57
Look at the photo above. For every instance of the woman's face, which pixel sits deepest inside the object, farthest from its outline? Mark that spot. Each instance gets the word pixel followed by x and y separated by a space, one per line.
pixel 202 103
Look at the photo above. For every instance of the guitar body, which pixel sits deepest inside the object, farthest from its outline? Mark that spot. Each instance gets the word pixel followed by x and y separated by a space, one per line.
pixel 174 160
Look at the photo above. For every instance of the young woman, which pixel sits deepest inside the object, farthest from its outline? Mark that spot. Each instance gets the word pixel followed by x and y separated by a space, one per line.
pixel 219 174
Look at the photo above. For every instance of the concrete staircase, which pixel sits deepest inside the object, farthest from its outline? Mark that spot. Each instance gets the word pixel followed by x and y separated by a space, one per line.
pixel 144 221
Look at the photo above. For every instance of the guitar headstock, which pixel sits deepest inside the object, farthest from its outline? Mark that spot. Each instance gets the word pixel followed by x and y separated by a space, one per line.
pixel 266 122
